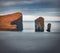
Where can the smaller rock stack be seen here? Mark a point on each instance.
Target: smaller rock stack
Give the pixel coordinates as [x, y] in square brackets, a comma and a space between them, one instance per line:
[39, 24]
[49, 27]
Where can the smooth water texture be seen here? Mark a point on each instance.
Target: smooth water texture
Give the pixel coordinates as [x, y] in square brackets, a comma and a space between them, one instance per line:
[29, 26]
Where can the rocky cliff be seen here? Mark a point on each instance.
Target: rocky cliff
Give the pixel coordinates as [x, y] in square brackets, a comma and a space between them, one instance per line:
[39, 24]
[5, 21]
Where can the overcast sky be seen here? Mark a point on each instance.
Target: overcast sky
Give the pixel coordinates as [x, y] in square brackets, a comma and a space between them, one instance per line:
[32, 8]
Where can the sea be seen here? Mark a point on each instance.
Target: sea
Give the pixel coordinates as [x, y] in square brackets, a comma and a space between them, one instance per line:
[34, 42]
[29, 26]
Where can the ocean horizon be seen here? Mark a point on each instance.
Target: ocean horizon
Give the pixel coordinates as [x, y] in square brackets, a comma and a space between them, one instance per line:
[29, 26]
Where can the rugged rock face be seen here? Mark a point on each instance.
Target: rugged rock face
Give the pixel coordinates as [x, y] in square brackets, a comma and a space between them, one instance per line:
[6, 21]
[39, 24]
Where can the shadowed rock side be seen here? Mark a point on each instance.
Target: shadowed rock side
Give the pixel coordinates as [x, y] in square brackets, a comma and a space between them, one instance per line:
[6, 20]
[39, 24]
[19, 24]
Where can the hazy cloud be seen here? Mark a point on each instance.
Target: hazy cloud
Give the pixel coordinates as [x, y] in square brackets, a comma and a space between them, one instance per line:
[14, 2]
[30, 7]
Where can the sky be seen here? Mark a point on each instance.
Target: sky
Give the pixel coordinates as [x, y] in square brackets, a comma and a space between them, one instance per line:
[32, 9]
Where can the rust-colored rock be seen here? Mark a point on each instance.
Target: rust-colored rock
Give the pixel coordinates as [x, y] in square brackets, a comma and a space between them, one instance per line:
[6, 20]
[39, 24]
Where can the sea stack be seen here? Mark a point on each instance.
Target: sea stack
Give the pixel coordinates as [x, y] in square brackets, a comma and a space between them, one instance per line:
[49, 27]
[39, 24]
[11, 22]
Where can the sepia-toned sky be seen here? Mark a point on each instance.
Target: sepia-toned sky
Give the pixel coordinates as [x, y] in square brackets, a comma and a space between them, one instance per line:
[32, 9]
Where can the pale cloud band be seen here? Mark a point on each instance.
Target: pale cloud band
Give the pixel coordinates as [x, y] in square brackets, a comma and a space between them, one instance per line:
[47, 18]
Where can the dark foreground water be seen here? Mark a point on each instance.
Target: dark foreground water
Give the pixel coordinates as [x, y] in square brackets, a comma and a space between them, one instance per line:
[37, 42]
[29, 26]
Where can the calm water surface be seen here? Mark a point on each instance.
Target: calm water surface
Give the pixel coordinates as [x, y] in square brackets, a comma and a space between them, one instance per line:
[29, 26]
